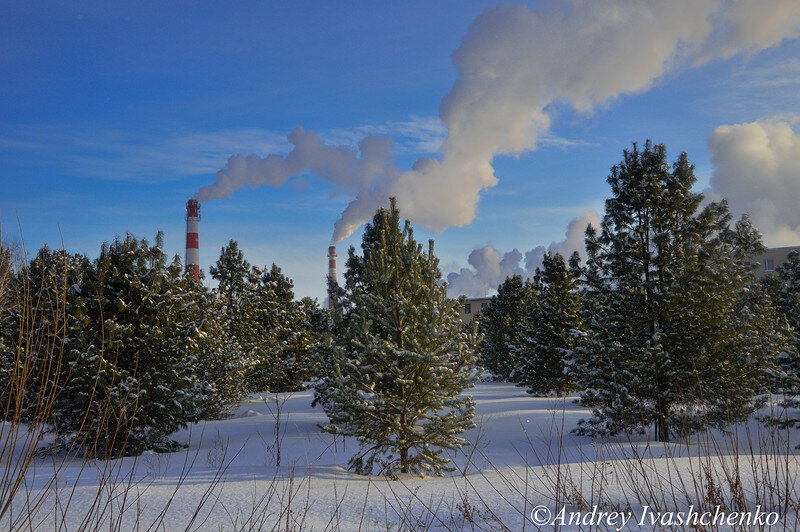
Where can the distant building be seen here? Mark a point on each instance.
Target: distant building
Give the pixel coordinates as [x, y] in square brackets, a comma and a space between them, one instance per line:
[473, 306]
[771, 259]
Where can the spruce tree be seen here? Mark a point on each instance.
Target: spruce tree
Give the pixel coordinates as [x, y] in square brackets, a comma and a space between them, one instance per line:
[501, 326]
[401, 357]
[548, 340]
[670, 339]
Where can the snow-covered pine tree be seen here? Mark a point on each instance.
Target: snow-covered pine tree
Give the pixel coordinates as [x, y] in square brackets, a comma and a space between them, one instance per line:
[284, 357]
[788, 300]
[9, 334]
[272, 329]
[401, 357]
[222, 364]
[224, 369]
[41, 327]
[237, 281]
[668, 334]
[139, 379]
[785, 290]
[317, 331]
[234, 275]
[8, 263]
[545, 351]
[501, 326]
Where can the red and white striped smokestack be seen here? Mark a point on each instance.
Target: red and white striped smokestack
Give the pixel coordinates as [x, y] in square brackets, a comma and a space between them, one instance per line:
[331, 270]
[192, 240]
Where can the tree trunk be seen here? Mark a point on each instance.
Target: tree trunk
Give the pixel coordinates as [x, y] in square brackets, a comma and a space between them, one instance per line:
[404, 466]
[662, 429]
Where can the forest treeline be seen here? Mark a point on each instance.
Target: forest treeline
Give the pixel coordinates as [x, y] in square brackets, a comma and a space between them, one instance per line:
[663, 326]
[125, 349]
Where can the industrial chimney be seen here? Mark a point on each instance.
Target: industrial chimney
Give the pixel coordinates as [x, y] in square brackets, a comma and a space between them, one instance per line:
[331, 271]
[192, 241]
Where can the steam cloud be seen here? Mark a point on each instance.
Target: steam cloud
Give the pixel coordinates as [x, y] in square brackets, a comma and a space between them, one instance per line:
[513, 63]
[756, 166]
[490, 269]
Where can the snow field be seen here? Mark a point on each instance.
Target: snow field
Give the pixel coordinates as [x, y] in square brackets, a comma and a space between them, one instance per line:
[523, 455]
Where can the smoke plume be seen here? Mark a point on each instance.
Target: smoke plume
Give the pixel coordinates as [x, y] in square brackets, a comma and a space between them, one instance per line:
[490, 269]
[756, 167]
[512, 64]
[339, 165]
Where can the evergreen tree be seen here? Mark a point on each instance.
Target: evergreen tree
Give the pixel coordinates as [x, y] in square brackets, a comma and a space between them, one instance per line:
[222, 362]
[272, 329]
[9, 332]
[41, 328]
[784, 287]
[237, 281]
[401, 357]
[788, 283]
[8, 259]
[140, 377]
[670, 337]
[283, 357]
[316, 328]
[234, 275]
[501, 326]
[545, 350]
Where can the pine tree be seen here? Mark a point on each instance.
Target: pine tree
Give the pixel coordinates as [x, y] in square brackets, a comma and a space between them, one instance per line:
[8, 259]
[41, 326]
[784, 287]
[545, 350]
[669, 337]
[272, 329]
[401, 357]
[234, 275]
[316, 322]
[222, 364]
[140, 378]
[284, 357]
[501, 326]
[788, 300]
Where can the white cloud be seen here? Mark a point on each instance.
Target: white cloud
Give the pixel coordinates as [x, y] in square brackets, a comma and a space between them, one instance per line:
[513, 64]
[489, 268]
[757, 168]
[747, 26]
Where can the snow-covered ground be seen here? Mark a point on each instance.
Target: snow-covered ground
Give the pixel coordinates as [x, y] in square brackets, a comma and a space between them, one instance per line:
[523, 455]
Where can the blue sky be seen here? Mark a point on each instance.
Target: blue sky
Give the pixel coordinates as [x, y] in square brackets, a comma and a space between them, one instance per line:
[113, 115]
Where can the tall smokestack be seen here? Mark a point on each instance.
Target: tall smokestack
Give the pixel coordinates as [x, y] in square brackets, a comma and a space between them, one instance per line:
[331, 271]
[192, 240]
